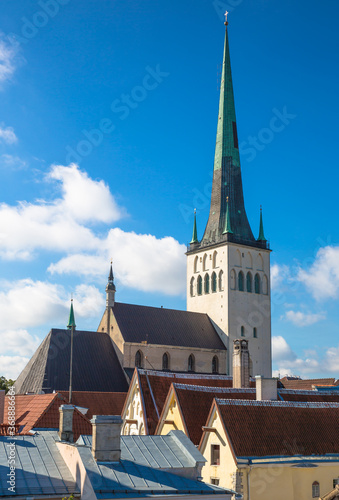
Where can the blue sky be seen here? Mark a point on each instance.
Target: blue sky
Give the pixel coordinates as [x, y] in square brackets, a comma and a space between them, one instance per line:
[129, 91]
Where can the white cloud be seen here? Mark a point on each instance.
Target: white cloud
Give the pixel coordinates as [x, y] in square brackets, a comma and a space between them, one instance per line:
[18, 342]
[281, 350]
[7, 134]
[288, 363]
[11, 366]
[278, 275]
[300, 318]
[7, 57]
[12, 162]
[322, 278]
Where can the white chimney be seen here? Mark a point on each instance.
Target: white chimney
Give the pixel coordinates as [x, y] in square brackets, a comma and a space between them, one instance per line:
[266, 388]
[66, 423]
[106, 430]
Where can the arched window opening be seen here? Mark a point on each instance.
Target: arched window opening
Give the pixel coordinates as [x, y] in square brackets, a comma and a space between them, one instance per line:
[249, 261]
[214, 260]
[260, 263]
[196, 262]
[207, 283]
[165, 361]
[249, 282]
[255, 333]
[214, 282]
[204, 263]
[199, 285]
[241, 281]
[315, 490]
[238, 258]
[192, 287]
[233, 277]
[242, 330]
[215, 365]
[257, 283]
[191, 363]
[138, 359]
[221, 281]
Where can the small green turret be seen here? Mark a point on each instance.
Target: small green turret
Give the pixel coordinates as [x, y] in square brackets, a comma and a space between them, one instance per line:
[261, 236]
[195, 232]
[227, 227]
[71, 320]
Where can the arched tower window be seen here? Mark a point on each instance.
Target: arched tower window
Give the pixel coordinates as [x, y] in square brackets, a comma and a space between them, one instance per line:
[199, 285]
[214, 260]
[215, 364]
[138, 359]
[196, 262]
[221, 281]
[214, 282]
[192, 287]
[241, 281]
[207, 283]
[204, 263]
[249, 282]
[257, 283]
[165, 361]
[191, 363]
[242, 331]
[265, 285]
[315, 490]
[233, 279]
[255, 333]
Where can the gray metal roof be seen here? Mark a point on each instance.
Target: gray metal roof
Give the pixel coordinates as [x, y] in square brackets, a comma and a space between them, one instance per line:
[147, 467]
[95, 365]
[39, 467]
[166, 326]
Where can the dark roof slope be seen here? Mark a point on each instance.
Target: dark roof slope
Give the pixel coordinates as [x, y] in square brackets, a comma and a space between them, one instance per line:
[95, 365]
[281, 428]
[166, 327]
[98, 403]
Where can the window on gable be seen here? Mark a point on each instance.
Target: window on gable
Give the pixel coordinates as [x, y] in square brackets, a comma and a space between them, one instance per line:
[165, 361]
[191, 363]
[215, 454]
[315, 490]
[215, 481]
[138, 359]
[215, 364]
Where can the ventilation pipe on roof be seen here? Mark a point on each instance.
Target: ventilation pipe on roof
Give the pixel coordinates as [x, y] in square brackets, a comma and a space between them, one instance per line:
[241, 364]
[266, 388]
[2, 406]
[66, 423]
[106, 431]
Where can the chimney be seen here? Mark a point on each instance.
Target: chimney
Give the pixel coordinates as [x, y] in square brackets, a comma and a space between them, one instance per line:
[106, 438]
[66, 423]
[266, 388]
[2, 406]
[241, 364]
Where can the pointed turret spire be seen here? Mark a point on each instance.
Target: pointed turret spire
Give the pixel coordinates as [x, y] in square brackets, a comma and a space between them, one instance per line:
[71, 320]
[227, 228]
[195, 232]
[227, 182]
[261, 236]
[110, 288]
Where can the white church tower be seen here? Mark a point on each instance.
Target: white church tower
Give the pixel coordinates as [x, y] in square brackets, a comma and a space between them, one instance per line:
[228, 270]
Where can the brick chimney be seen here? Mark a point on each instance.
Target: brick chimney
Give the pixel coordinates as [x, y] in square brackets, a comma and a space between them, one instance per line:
[66, 423]
[2, 406]
[241, 364]
[106, 438]
[266, 388]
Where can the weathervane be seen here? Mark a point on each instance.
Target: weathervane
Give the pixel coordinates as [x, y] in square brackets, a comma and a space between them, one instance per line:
[226, 14]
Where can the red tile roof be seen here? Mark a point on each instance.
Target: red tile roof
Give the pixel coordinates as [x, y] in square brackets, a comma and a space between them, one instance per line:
[42, 411]
[262, 428]
[154, 387]
[298, 383]
[98, 403]
[195, 403]
[309, 396]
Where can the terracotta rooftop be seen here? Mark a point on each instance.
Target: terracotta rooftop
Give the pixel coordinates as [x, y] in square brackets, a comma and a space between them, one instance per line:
[298, 383]
[41, 411]
[195, 415]
[154, 386]
[98, 403]
[281, 428]
[309, 396]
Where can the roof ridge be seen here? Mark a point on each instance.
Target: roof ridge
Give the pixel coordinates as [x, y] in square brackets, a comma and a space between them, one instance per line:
[207, 376]
[204, 388]
[286, 404]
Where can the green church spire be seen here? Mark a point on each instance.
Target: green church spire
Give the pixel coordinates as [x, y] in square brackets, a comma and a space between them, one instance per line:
[195, 232]
[227, 229]
[71, 320]
[261, 228]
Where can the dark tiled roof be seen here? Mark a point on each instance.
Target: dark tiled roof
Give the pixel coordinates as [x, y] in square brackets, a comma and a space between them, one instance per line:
[195, 404]
[95, 365]
[262, 428]
[98, 403]
[298, 383]
[309, 396]
[41, 411]
[155, 385]
[166, 327]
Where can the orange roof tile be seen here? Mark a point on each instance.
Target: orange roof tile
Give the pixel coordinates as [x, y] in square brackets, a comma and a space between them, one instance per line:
[298, 383]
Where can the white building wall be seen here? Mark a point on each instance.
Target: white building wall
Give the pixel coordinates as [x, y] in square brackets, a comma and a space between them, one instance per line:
[230, 308]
